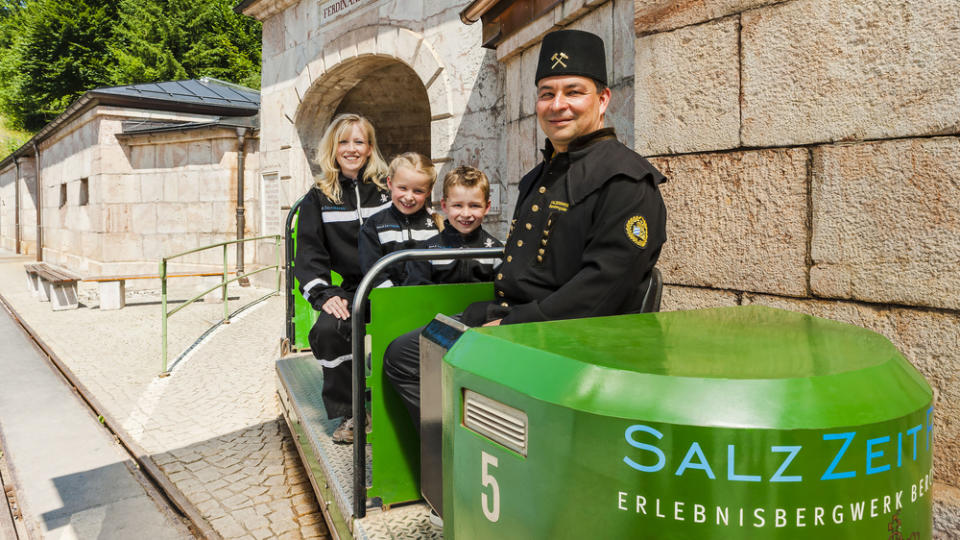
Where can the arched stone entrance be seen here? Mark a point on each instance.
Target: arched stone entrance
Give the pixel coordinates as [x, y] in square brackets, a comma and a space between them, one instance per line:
[402, 89]
[394, 99]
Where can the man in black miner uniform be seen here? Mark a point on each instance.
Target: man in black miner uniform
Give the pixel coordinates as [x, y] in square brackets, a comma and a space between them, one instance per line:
[589, 222]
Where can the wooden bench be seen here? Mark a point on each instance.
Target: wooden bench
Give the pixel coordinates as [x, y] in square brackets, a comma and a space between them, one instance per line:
[113, 289]
[52, 284]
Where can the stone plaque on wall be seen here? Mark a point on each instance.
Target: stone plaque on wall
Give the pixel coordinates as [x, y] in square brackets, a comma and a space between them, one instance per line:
[334, 9]
[271, 203]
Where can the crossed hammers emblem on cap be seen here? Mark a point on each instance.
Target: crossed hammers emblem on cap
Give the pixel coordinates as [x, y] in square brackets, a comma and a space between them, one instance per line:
[558, 59]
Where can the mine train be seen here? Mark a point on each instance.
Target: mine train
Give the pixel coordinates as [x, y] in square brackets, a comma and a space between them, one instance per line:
[738, 422]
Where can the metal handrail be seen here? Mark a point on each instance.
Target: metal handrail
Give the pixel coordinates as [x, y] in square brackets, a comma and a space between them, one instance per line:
[222, 285]
[358, 335]
[290, 253]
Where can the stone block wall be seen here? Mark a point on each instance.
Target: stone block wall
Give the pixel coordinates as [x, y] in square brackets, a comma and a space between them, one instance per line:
[179, 193]
[814, 163]
[28, 209]
[149, 195]
[518, 54]
[8, 207]
[67, 159]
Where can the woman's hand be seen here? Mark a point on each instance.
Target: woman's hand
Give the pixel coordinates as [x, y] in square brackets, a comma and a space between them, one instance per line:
[337, 306]
[493, 323]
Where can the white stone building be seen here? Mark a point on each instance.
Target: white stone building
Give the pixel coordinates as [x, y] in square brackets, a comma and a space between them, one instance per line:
[134, 173]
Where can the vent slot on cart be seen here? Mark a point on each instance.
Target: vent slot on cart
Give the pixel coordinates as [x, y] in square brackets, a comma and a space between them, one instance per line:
[501, 423]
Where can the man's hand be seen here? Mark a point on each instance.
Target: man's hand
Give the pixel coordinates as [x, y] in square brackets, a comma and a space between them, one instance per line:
[337, 306]
[493, 323]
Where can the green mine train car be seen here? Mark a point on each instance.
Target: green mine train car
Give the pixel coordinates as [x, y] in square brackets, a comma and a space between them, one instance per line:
[740, 422]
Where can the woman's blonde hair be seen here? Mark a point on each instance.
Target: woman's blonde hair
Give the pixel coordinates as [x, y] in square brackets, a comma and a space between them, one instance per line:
[423, 165]
[329, 179]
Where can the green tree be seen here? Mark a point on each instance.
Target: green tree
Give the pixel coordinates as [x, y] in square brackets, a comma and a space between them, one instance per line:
[162, 40]
[54, 51]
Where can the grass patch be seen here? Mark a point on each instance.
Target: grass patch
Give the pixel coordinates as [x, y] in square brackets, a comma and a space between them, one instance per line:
[11, 139]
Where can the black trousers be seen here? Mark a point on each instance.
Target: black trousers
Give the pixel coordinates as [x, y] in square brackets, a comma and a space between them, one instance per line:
[401, 365]
[401, 361]
[330, 343]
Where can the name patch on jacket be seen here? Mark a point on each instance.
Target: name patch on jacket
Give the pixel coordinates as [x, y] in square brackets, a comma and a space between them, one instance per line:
[636, 229]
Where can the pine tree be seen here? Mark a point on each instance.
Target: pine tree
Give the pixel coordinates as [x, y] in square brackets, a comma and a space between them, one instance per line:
[53, 54]
[181, 39]
[52, 51]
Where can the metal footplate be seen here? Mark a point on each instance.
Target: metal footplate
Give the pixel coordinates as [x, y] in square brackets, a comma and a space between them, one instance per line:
[330, 466]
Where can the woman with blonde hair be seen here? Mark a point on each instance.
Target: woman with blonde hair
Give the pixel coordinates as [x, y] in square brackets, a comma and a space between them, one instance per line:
[349, 189]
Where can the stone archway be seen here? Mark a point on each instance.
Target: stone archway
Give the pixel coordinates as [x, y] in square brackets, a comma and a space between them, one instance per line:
[389, 74]
[395, 101]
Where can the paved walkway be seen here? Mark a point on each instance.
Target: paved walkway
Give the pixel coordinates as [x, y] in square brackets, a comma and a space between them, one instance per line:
[212, 428]
[76, 481]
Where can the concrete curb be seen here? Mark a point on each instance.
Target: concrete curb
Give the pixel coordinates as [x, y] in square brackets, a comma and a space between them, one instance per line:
[142, 458]
[8, 526]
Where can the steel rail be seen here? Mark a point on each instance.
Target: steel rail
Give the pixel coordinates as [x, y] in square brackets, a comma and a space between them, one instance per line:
[358, 334]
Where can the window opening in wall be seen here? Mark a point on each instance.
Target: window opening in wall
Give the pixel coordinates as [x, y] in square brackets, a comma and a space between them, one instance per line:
[63, 195]
[84, 191]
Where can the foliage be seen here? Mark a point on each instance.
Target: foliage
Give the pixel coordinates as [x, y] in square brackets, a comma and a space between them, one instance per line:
[162, 40]
[52, 51]
[11, 139]
[53, 55]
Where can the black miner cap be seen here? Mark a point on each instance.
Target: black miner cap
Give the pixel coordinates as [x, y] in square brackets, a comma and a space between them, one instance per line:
[572, 52]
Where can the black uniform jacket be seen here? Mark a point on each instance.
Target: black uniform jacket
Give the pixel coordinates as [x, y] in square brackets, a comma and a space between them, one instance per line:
[588, 228]
[391, 230]
[327, 238]
[454, 271]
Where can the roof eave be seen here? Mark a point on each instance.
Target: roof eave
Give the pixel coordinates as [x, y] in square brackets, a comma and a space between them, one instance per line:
[474, 11]
[142, 102]
[81, 105]
[262, 9]
[188, 127]
[93, 98]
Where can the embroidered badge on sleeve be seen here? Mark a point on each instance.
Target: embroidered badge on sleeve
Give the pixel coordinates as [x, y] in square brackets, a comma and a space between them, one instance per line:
[636, 229]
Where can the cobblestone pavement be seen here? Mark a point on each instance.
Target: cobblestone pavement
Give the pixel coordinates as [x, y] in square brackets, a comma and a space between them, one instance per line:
[213, 426]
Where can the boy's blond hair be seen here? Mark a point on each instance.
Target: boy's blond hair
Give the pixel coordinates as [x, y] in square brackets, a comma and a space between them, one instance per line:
[468, 177]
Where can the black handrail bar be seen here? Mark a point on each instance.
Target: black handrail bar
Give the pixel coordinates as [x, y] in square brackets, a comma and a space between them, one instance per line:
[288, 326]
[358, 334]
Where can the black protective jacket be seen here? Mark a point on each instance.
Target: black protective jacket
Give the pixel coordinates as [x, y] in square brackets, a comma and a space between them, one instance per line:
[327, 238]
[455, 271]
[391, 230]
[587, 230]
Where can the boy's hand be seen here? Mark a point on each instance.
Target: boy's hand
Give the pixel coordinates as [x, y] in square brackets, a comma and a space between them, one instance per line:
[493, 323]
[337, 306]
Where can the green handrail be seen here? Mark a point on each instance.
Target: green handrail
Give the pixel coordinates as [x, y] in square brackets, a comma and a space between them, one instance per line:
[222, 285]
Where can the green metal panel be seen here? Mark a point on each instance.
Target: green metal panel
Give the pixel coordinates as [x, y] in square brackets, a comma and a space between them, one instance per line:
[303, 313]
[744, 422]
[396, 447]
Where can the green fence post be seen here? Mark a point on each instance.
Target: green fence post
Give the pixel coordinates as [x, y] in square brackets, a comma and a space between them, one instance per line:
[226, 310]
[163, 303]
[277, 247]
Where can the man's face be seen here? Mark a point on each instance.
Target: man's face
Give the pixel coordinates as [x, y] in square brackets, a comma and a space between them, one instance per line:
[568, 107]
